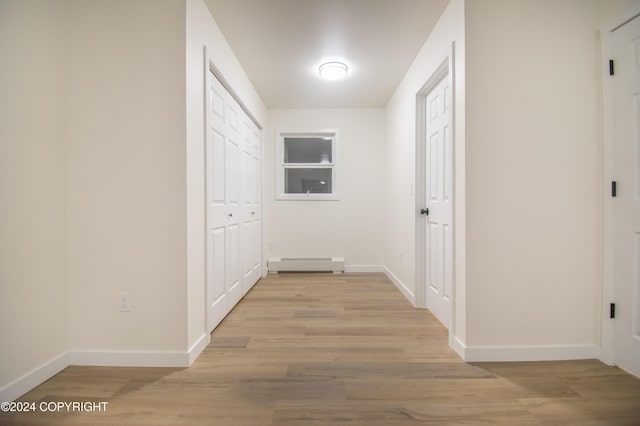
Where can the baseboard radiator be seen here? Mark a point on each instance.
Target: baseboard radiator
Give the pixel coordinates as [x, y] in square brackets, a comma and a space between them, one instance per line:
[305, 264]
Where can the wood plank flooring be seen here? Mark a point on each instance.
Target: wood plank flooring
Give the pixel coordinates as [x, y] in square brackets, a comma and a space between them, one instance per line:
[320, 349]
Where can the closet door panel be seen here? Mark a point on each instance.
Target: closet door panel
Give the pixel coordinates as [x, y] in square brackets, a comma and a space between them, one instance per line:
[233, 216]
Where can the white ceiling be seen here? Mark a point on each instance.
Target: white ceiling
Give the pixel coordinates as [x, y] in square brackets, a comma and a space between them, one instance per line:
[281, 43]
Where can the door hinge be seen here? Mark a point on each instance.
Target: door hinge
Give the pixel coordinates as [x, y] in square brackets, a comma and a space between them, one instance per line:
[612, 310]
[614, 188]
[611, 67]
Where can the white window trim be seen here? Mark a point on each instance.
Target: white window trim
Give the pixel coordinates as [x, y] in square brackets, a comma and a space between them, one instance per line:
[280, 164]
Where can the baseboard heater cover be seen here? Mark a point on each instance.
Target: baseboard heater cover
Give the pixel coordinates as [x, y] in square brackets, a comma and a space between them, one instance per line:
[305, 264]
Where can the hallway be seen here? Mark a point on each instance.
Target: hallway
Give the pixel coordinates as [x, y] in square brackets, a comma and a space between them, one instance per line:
[349, 349]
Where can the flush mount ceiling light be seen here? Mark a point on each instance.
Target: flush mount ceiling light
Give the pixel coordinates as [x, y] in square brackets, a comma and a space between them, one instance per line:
[333, 70]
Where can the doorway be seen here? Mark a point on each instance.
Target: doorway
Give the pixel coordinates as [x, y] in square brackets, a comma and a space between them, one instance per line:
[434, 193]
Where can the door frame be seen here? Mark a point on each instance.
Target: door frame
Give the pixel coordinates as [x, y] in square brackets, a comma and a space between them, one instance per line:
[444, 70]
[608, 265]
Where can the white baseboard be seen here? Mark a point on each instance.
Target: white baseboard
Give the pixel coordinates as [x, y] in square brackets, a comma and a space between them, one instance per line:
[403, 288]
[457, 346]
[141, 358]
[130, 358]
[49, 369]
[196, 349]
[525, 353]
[363, 268]
[34, 378]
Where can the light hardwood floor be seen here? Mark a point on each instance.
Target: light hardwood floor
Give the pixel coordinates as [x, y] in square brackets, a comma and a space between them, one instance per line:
[318, 349]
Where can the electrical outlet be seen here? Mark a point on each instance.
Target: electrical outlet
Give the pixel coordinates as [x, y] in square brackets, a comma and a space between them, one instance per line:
[401, 256]
[124, 302]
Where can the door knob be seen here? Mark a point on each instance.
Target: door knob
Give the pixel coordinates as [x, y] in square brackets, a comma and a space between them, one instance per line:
[424, 211]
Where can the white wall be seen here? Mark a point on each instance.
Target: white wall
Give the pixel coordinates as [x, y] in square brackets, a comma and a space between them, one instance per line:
[534, 174]
[401, 153]
[527, 170]
[353, 226]
[611, 10]
[203, 31]
[97, 182]
[33, 288]
[126, 178]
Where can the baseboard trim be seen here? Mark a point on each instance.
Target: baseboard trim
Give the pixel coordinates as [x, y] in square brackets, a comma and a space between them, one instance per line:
[525, 353]
[130, 358]
[403, 288]
[49, 369]
[196, 349]
[34, 378]
[363, 268]
[457, 346]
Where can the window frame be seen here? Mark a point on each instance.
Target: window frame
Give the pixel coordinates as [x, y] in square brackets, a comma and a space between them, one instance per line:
[281, 166]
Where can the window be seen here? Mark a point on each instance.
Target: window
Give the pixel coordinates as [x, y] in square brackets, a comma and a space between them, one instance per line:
[306, 165]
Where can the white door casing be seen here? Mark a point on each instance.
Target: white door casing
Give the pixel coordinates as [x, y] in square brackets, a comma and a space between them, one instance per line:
[233, 201]
[434, 193]
[626, 204]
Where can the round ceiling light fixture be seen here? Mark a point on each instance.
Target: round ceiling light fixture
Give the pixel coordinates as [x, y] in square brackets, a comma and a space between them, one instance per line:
[333, 70]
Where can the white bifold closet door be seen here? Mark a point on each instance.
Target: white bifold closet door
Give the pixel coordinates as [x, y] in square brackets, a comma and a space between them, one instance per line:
[626, 205]
[233, 210]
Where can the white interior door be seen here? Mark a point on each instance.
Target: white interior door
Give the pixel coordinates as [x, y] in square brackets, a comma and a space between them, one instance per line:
[223, 268]
[626, 205]
[233, 202]
[251, 208]
[233, 178]
[217, 232]
[439, 201]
